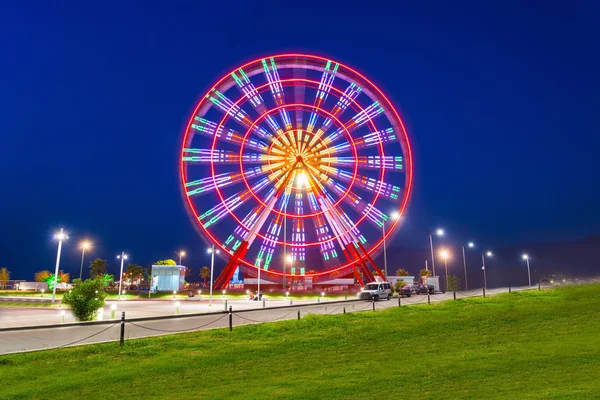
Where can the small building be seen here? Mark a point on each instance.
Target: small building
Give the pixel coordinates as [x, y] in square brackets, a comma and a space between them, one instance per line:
[408, 280]
[167, 278]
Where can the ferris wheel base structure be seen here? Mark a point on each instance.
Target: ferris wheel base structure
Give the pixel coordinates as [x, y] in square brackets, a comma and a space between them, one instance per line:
[359, 267]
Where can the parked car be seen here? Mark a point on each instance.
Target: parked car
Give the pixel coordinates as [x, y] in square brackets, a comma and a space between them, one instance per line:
[425, 289]
[376, 291]
[406, 291]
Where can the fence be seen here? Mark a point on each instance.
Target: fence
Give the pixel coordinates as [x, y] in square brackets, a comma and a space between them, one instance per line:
[58, 336]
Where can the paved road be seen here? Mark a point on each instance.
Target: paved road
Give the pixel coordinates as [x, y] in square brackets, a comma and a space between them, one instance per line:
[26, 316]
[38, 339]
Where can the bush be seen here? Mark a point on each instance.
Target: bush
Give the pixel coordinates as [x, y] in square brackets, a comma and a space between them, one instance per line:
[86, 299]
[399, 285]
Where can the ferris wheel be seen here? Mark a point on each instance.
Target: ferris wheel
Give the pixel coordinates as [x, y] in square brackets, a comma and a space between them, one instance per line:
[294, 164]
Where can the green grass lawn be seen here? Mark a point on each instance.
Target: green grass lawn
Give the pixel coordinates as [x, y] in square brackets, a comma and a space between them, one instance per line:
[525, 345]
[30, 293]
[27, 304]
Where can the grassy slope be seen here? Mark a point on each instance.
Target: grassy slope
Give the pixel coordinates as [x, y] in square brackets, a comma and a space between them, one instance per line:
[520, 345]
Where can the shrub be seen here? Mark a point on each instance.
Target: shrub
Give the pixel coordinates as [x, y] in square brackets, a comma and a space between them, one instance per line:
[86, 299]
[399, 285]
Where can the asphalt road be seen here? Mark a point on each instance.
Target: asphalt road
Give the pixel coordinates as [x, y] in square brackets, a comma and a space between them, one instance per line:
[105, 331]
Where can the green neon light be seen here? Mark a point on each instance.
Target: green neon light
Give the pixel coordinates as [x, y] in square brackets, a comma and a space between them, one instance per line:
[236, 79]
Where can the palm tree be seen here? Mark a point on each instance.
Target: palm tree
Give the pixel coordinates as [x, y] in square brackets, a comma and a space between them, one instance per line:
[204, 274]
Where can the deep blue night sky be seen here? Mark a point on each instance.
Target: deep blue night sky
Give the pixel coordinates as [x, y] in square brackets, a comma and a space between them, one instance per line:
[501, 102]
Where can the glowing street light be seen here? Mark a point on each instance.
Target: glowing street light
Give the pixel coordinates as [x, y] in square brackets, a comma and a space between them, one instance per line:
[84, 246]
[288, 260]
[212, 252]
[181, 254]
[439, 232]
[123, 257]
[526, 258]
[470, 245]
[488, 254]
[60, 236]
[394, 216]
[258, 261]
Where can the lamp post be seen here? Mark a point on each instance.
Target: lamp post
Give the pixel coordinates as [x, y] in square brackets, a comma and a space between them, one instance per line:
[84, 246]
[123, 257]
[290, 259]
[394, 216]
[258, 260]
[212, 252]
[439, 232]
[181, 254]
[526, 258]
[483, 255]
[445, 254]
[60, 236]
[471, 245]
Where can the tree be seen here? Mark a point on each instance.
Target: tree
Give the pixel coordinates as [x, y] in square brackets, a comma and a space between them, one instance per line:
[4, 277]
[98, 268]
[165, 262]
[423, 273]
[64, 276]
[107, 279]
[135, 272]
[401, 272]
[205, 274]
[453, 282]
[41, 276]
[50, 281]
[86, 299]
[188, 272]
[399, 285]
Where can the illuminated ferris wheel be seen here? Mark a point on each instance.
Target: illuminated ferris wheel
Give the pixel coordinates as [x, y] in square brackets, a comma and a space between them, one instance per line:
[293, 164]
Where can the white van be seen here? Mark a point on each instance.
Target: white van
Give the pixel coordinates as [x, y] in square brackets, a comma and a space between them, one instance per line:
[376, 291]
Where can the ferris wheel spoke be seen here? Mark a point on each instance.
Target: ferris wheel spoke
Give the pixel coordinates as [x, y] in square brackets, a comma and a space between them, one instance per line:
[228, 107]
[382, 137]
[354, 201]
[393, 163]
[208, 184]
[249, 90]
[349, 96]
[325, 237]
[371, 185]
[240, 233]
[298, 233]
[207, 128]
[221, 210]
[227, 157]
[272, 75]
[271, 237]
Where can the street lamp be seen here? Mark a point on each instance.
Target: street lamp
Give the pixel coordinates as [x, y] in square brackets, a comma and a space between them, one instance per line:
[123, 257]
[212, 252]
[288, 259]
[470, 245]
[394, 216]
[60, 236]
[445, 254]
[84, 246]
[439, 232]
[258, 261]
[181, 254]
[526, 258]
[488, 254]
